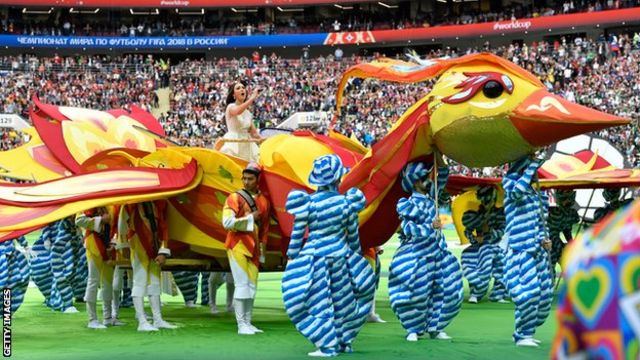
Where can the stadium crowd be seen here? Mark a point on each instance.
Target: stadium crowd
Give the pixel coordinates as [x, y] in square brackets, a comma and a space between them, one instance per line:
[600, 73]
[85, 81]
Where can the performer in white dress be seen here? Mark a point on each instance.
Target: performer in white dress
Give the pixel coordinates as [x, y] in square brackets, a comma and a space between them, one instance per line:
[240, 124]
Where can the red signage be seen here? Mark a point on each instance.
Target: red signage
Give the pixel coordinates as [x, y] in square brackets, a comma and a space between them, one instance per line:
[171, 3]
[513, 26]
[352, 37]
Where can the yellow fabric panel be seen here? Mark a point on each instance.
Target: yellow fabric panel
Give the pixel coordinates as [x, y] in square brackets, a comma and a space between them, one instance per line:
[220, 171]
[54, 213]
[181, 229]
[243, 258]
[567, 166]
[424, 142]
[351, 143]
[167, 158]
[465, 202]
[80, 185]
[461, 204]
[18, 163]
[92, 248]
[138, 249]
[92, 131]
[292, 156]
[596, 178]
[106, 273]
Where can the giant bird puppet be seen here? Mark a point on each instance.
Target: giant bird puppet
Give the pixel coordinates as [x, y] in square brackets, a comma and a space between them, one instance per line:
[482, 111]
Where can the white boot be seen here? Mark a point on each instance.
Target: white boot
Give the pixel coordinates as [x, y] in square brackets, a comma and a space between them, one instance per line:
[412, 337]
[526, 342]
[213, 290]
[93, 317]
[143, 324]
[71, 310]
[442, 336]
[190, 304]
[157, 314]
[95, 324]
[473, 300]
[373, 317]
[240, 308]
[106, 312]
[115, 310]
[248, 315]
[320, 353]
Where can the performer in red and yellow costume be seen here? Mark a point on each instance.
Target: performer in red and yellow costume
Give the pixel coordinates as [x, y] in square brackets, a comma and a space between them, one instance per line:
[246, 217]
[98, 231]
[144, 227]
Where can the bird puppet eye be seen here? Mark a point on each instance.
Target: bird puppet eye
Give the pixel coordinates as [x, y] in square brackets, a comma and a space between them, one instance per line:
[493, 84]
[492, 89]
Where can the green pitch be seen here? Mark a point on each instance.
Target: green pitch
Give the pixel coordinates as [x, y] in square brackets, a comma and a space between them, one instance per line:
[480, 331]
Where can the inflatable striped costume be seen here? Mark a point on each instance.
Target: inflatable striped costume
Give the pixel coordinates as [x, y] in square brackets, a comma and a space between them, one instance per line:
[41, 272]
[59, 268]
[14, 270]
[187, 282]
[68, 264]
[328, 285]
[484, 258]
[562, 217]
[613, 201]
[528, 272]
[425, 278]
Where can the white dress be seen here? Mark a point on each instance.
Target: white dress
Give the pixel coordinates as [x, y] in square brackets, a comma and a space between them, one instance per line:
[238, 128]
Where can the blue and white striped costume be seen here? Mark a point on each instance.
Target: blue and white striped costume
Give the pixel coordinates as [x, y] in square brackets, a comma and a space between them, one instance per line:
[67, 260]
[60, 268]
[126, 300]
[80, 262]
[528, 274]
[204, 288]
[187, 282]
[41, 272]
[327, 285]
[561, 219]
[484, 260]
[425, 278]
[14, 271]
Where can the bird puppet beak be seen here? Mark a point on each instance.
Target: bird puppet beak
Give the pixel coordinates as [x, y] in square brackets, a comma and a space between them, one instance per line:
[543, 119]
